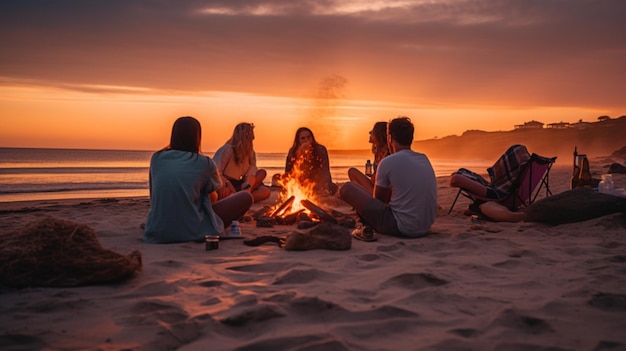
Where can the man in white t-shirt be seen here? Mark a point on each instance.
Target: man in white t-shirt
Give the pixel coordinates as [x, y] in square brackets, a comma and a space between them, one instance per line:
[404, 202]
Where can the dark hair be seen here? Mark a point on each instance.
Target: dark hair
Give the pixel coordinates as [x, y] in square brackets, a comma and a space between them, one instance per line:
[401, 130]
[186, 135]
[316, 152]
[380, 147]
[296, 141]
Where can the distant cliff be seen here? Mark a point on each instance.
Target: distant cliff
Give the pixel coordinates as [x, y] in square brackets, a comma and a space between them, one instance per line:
[597, 139]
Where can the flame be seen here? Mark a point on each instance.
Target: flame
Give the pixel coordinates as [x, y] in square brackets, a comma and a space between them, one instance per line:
[295, 184]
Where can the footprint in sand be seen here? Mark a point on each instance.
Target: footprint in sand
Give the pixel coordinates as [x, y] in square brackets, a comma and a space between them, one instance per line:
[368, 257]
[609, 302]
[415, 281]
[514, 320]
[299, 276]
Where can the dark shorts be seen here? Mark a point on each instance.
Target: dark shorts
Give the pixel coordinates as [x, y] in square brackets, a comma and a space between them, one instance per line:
[380, 217]
[237, 183]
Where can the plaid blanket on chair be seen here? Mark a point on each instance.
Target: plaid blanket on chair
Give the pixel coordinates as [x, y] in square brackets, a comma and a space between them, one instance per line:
[505, 172]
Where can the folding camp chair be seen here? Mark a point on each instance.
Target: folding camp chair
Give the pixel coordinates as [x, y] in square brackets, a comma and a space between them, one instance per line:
[517, 178]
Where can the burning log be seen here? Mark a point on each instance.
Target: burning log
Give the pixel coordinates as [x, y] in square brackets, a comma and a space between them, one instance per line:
[323, 215]
[292, 217]
[304, 217]
[283, 206]
[306, 224]
[265, 222]
[261, 213]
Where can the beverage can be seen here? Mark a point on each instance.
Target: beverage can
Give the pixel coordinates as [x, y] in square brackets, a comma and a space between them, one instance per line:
[212, 242]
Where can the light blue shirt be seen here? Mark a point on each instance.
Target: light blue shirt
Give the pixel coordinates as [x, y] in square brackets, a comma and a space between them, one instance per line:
[180, 207]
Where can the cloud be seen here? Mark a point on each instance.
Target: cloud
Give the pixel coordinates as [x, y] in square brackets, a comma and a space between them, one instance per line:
[465, 51]
[315, 8]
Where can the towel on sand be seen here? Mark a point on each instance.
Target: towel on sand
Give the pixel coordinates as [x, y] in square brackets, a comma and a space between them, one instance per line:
[574, 206]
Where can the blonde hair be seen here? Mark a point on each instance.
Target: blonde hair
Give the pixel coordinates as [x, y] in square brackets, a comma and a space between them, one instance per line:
[241, 142]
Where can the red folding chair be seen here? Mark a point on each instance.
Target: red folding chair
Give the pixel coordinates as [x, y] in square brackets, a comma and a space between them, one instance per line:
[517, 178]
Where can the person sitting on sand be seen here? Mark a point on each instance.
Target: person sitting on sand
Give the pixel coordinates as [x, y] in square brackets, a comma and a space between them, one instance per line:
[404, 201]
[497, 212]
[380, 149]
[491, 209]
[307, 161]
[181, 179]
[236, 162]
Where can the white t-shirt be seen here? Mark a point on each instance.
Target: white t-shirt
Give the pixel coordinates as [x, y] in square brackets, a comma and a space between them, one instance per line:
[225, 159]
[411, 179]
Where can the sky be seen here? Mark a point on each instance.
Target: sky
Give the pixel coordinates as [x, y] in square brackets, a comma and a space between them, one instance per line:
[115, 74]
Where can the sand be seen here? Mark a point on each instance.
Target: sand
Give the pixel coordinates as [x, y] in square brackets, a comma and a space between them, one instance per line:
[491, 286]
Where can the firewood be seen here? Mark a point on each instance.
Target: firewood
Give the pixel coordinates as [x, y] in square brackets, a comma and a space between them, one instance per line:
[261, 212]
[265, 222]
[323, 215]
[292, 217]
[283, 206]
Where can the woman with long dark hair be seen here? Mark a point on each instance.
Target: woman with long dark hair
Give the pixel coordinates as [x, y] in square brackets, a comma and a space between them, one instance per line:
[181, 181]
[307, 161]
[380, 149]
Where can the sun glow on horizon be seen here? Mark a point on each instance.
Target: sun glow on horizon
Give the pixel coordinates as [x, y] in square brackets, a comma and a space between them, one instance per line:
[117, 75]
[120, 117]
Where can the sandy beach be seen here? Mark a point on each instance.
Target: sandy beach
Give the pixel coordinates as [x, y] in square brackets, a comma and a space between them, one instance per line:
[492, 286]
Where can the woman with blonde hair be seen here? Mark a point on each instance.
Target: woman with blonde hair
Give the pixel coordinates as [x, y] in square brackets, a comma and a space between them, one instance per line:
[380, 149]
[236, 162]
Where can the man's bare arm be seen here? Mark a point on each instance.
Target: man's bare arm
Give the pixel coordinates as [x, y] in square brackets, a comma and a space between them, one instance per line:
[382, 194]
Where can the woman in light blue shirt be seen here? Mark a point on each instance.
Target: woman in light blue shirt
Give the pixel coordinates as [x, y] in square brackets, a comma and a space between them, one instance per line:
[181, 181]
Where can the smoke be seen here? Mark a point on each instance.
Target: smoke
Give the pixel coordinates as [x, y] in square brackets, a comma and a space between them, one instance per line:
[322, 119]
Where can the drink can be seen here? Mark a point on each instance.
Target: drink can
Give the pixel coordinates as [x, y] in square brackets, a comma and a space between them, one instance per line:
[212, 242]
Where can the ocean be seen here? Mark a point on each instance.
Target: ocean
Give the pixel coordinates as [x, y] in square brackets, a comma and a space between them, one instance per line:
[28, 174]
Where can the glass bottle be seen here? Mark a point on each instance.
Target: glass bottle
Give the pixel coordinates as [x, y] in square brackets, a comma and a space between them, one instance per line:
[606, 184]
[576, 174]
[368, 168]
[584, 180]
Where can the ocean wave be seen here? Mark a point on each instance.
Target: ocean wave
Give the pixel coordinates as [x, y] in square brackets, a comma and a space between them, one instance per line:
[59, 173]
[63, 187]
[71, 170]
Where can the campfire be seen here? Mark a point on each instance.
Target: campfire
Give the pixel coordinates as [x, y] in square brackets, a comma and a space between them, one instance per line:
[296, 202]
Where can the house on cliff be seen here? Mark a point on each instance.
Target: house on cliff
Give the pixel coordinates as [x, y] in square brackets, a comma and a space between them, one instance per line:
[530, 125]
[581, 125]
[558, 125]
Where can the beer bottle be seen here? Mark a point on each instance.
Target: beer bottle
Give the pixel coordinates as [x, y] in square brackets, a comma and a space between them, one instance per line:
[584, 180]
[576, 174]
[368, 168]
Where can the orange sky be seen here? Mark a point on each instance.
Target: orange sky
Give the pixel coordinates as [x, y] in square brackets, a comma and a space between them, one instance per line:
[116, 74]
